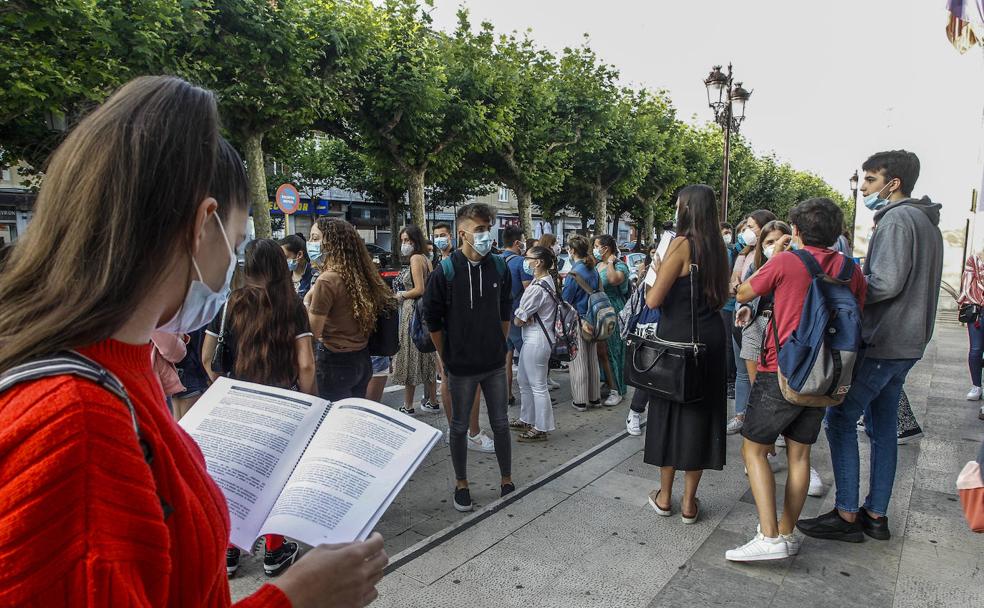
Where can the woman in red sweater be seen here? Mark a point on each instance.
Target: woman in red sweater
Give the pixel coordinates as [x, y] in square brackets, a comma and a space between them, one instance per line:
[137, 221]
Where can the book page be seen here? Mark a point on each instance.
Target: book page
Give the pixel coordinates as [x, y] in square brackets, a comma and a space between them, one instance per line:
[252, 437]
[352, 471]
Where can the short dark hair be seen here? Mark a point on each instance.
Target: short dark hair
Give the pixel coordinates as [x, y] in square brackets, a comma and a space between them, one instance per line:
[819, 221]
[416, 237]
[897, 164]
[510, 235]
[295, 244]
[443, 226]
[727, 226]
[475, 210]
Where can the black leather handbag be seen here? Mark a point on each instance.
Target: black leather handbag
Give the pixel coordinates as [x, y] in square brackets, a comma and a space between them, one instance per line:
[669, 370]
[220, 356]
[968, 313]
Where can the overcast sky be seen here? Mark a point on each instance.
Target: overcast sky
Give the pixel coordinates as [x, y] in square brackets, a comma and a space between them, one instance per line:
[833, 81]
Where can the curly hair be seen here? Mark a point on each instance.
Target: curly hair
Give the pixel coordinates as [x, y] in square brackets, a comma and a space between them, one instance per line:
[345, 252]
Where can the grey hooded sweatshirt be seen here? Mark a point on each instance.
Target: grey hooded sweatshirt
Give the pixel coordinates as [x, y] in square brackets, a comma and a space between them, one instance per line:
[904, 267]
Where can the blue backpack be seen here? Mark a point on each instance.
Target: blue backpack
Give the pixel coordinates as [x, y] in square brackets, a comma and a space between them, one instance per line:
[816, 364]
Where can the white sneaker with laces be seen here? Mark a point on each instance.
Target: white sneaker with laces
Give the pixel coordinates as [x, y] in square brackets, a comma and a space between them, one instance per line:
[632, 424]
[816, 486]
[613, 399]
[758, 549]
[734, 426]
[974, 394]
[793, 543]
[481, 443]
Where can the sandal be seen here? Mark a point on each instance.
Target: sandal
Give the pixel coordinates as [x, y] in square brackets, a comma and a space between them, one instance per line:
[518, 425]
[691, 520]
[659, 510]
[409, 411]
[532, 436]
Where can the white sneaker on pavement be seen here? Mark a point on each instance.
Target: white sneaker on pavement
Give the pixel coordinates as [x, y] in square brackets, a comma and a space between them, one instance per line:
[481, 443]
[632, 424]
[734, 426]
[793, 543]
[816, 486]
[974, 394]
[758, 549]
[613, 399]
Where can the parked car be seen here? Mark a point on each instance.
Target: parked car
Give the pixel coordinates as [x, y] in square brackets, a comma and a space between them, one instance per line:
[632, 260]
[382, 257]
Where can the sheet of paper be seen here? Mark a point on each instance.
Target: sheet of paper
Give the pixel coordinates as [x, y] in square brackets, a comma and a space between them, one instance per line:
[252, 437]
[352, 470]
[650, 277]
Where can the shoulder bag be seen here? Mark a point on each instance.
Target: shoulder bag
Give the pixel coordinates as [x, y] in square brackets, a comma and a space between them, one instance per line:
[219, 356]
[669, 370]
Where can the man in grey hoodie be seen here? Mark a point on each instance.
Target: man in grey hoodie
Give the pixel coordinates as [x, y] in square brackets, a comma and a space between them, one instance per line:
[903, 267]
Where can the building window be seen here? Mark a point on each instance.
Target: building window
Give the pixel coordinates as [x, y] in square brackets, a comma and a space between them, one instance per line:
[5, 174]
[503, 195]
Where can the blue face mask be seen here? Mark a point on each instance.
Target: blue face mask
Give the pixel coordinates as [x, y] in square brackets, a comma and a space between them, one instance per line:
[597, 254]
[875, 201]
[292, 264]
[526, 267]
[314, 250]
[442, 242]
[482, 243]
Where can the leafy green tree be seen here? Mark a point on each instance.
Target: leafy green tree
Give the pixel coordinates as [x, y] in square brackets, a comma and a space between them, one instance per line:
[310, 163]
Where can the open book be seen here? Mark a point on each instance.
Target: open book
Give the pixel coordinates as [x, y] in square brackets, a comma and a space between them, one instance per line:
[296, 465]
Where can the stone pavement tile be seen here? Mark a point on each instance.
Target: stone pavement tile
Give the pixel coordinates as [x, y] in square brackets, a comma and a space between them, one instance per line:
[936, 481]
[394, 589]
[619, 486]
[943, 454]
[743, 518]
[877, 560]
[437, 562]
[508, 570]
[829, 583]
[938, 570]
[936, 520]
[700, 584]
[712, 554]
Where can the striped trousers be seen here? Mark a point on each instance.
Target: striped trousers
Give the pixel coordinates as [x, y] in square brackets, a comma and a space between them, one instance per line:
[585, 375]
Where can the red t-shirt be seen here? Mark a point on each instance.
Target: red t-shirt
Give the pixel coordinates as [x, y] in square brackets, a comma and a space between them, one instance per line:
[786, 276]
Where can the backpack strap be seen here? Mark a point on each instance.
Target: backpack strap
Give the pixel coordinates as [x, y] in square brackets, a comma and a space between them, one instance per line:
[810, 262]
[847, 270]
[71, 363]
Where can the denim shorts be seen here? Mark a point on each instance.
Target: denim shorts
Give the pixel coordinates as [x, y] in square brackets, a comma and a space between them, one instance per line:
[380, 366]
[769, 415]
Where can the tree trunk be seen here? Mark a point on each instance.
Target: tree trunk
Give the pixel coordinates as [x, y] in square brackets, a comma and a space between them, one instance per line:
[601, 209]
[256, 172]
[396, 218]
[525, 202]
[415, 188]
[648, 219]
[584, 224]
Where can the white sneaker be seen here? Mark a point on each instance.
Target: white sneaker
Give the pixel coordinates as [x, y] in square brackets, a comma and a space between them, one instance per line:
[861, 424]
[632, 424]
[816, 487]
[758, 549]
[481, 443]
[793, 543]
[775, 463]
[613, 399]
[552, 384]
[974, 394]
[734, 426]
[780, 441]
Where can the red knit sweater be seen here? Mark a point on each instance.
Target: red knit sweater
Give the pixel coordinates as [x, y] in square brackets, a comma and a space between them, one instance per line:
[80, 518]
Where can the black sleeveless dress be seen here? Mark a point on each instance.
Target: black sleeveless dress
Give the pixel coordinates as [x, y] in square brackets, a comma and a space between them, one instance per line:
[691, 437]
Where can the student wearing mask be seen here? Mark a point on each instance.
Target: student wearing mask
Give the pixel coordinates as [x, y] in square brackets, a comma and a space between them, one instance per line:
[728, 312]
[346, 300]
[412, 367]
[972, 293]
[585, 374]
[478, 440]
[512, 253]
[298, 263]
[468, 308]
[535, 315]
[183, 202]
[614, 275]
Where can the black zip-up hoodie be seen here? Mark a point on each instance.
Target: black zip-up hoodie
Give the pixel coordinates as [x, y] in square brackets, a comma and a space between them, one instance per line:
[480, 302]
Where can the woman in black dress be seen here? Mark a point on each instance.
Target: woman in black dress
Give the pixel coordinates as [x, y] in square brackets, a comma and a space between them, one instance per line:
[691, 437]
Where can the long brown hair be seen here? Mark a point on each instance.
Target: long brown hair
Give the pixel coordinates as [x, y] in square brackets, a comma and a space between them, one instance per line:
[346, 253]
[783, 227]
[698, 221]
[263, 316]
[582, 247]
[118, 203]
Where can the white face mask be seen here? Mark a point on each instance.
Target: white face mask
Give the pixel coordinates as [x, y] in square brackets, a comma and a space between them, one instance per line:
[748, 235]
[406, 249]
[727, 239]
[768, 251]
[556, 249]
[201, 304]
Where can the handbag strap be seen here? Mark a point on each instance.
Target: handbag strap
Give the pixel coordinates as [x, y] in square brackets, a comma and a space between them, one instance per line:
[694, 326]
[221, 337]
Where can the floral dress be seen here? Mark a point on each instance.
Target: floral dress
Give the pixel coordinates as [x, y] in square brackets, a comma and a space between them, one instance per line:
[619, 295]
[411, 367]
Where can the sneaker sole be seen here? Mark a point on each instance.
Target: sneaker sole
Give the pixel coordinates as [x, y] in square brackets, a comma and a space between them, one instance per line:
[815, 493]
[231, 572]
[757, 558]
[857, 537]
[279, 568]
[579, 409]
[878, 536]
[462, 509]
[633, 432]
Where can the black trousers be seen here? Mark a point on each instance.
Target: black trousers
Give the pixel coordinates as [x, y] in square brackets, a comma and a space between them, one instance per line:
[342, 375]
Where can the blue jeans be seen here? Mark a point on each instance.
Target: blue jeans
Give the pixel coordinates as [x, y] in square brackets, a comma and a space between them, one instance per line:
[976, 351]
[743, 387]
[875, 393]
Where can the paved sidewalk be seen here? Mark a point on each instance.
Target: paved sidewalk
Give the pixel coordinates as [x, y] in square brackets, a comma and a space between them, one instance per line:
[588, 538]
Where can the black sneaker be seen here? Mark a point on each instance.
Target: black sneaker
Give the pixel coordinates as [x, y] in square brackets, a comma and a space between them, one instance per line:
[275, 562]
[831, 526]
[594, 404]
[232, 561]
[507, 489]
[910, 435]
[580, 407]
[512, 400]
[462, 500]
[875, 528]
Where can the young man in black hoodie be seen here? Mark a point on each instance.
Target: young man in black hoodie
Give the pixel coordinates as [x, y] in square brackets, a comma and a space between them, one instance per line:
[468, 309]
[903, 267]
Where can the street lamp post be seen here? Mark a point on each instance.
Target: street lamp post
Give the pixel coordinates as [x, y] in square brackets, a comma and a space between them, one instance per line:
[854, 197]
[727, 98]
